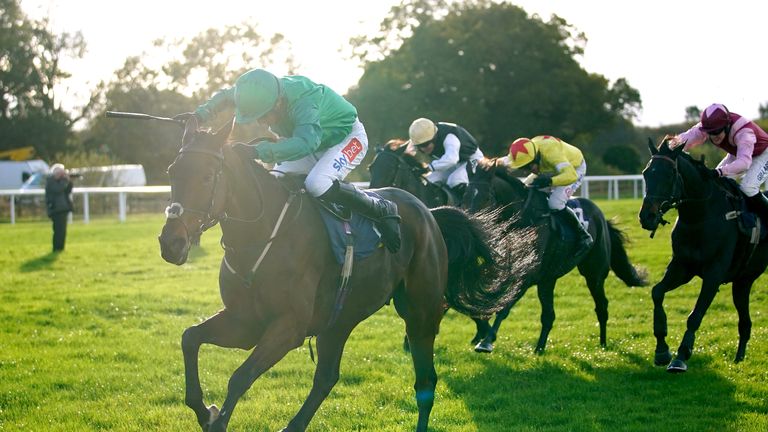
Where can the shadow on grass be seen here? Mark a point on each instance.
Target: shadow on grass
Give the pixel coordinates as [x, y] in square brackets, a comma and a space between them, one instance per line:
[631, 396]
[39, 263]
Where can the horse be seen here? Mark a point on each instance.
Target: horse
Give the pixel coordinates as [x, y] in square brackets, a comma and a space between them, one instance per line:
[392, 166]
[280, 282]
[527, 207]
[706, 242]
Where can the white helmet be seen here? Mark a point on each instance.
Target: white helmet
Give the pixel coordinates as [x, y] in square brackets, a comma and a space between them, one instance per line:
[422, 131]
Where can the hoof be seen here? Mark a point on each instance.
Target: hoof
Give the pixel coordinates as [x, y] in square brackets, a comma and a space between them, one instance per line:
[739, 358]
[677, 366]
[484, 347]
[662, 358]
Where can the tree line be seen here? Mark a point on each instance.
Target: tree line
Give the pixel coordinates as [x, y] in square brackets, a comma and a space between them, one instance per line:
[488, 66]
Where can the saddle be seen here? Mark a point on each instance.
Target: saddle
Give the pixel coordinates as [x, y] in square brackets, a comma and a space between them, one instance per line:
[748, 221]
[346, 230]
[563, 229]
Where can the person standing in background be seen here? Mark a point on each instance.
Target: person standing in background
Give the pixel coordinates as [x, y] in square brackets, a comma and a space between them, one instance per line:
[58, 201]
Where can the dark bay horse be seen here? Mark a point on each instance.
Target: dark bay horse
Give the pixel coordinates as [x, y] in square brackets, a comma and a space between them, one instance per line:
[279, 280]
[396, 168]
[528, 207]
[706, 242]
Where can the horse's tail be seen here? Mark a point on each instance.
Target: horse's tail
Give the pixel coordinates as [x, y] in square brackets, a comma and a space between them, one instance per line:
[631, 275]
[477, 282]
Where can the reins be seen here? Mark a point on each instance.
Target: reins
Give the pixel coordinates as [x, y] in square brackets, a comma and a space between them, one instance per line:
[292, 194]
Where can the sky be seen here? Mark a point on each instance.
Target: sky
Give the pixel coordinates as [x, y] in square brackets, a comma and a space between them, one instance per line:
[676, 53]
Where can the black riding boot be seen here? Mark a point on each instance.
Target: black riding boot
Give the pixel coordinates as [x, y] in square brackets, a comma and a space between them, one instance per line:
[585, 239]
[759, 203]
[382, 212]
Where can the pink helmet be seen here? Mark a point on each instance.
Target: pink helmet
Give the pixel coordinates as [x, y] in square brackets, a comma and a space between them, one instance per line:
[715, 118]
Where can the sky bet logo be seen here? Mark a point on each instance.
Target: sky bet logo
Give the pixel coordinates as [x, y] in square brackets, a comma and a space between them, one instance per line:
[349, 152]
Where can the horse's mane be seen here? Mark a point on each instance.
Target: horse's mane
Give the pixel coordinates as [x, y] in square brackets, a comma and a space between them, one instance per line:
[507, 176]
[701, 167]
[697, 163]
[410, 159]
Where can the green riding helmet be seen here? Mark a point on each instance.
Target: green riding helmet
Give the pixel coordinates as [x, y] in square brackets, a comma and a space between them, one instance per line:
[256, 93]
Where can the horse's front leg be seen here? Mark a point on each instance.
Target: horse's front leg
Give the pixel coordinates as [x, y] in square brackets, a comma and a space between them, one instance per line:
[483, 327]
[709, 287]
[740, 291]
[674, 276]
[282, 335]
[546, 293]
[222, 330]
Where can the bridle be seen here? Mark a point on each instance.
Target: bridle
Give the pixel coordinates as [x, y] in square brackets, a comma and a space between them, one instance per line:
[206, 219]
[676, 196]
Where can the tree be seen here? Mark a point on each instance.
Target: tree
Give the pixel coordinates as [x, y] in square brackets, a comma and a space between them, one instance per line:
[30, 58]
[692, 114]
[487, 66]
[763, 111]
[207, 62]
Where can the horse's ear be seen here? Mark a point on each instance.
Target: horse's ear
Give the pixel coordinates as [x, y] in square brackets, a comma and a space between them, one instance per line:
[652, 147]
[679, 149]
[190, 129]
[223, 133]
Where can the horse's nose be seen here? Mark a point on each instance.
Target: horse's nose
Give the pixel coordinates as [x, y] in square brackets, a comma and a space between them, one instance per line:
[173, 250]
[647, 217]
[173, 245]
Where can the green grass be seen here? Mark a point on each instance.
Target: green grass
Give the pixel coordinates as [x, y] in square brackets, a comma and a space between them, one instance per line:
[90, 340]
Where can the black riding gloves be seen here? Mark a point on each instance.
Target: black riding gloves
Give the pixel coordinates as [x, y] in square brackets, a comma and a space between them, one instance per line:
[715, 173]
[542, 181]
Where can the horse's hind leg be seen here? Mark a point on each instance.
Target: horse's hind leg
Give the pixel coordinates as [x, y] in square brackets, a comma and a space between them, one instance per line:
[740, 291]
[222, 330]
[486, 344]
[425, 311]
[596, 284]
[421, 334]
[330, 347]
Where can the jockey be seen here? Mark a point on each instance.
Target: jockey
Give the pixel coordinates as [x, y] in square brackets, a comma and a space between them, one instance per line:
[556, 166]
[450, 146]
[743, 140]
[320, 136]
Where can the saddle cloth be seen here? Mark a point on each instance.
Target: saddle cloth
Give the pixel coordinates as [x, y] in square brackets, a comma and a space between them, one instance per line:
[566, 233]
[345, 228]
